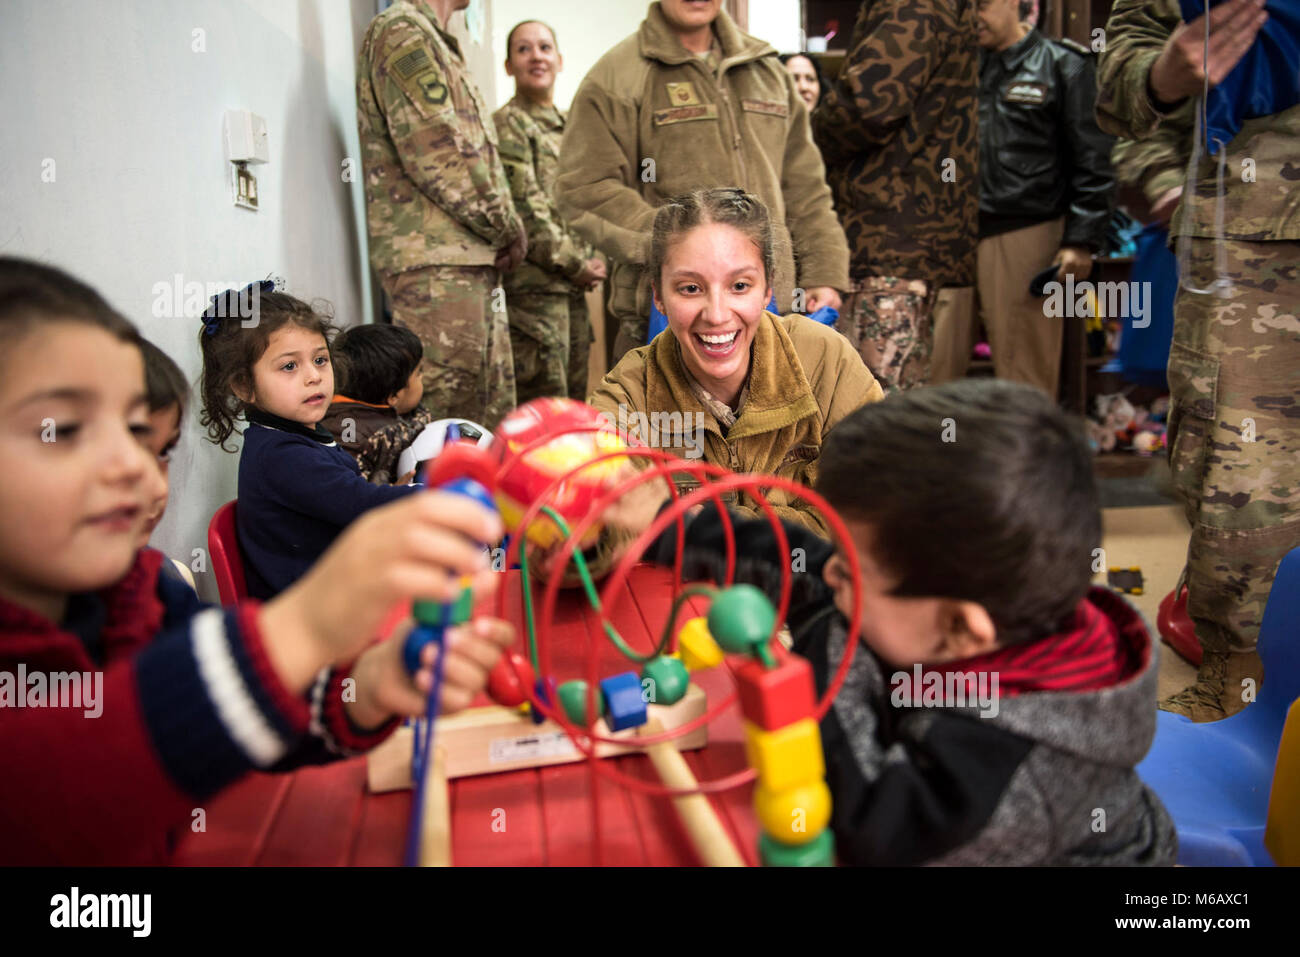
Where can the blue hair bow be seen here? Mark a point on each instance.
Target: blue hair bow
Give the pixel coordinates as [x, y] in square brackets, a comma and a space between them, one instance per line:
[225, 305]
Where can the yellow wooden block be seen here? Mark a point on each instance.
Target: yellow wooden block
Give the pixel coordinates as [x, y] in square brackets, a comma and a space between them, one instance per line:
[794, 816]
[787, 757]
[697, 647]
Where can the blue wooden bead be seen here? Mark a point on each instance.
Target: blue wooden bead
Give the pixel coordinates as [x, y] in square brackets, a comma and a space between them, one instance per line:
[624, 704]
[419, 636]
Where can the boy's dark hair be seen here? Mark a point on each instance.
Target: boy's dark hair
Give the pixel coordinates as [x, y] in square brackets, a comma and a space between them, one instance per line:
[375, 361]
[979, 490]
[32, 293]
[237, 328]
[164, 383]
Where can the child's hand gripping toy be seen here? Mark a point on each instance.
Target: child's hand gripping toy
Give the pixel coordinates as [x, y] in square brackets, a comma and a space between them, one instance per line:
[532, 454]
[432, 620]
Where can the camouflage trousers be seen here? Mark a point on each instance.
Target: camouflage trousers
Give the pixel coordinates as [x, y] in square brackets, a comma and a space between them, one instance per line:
[888, 320]
[550, 334]
[467, 370]
[1234, 434]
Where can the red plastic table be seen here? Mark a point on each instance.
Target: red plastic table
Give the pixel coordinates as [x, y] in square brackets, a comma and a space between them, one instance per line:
[325, 815]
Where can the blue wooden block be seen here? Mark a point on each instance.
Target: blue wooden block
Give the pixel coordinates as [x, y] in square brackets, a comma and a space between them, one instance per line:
[624, 705]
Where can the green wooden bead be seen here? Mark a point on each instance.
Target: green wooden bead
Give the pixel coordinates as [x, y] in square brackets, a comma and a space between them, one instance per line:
[670, 677]
[819, 852]
[573, 699]
[430, 612]
[741, 619]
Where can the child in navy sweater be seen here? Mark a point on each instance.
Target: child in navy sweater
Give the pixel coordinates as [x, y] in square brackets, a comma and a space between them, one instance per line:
[266, 355]
[125, 703]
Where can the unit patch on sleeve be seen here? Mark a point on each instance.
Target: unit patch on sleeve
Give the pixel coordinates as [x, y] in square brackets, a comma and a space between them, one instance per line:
[435, 91]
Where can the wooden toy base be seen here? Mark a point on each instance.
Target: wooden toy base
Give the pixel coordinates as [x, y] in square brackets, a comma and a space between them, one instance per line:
[494, 738]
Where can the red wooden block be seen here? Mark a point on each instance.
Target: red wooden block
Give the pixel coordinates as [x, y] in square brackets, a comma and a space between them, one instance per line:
[773, 698]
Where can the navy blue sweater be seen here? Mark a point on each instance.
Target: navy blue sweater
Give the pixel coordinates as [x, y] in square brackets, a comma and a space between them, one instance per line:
[297, 491]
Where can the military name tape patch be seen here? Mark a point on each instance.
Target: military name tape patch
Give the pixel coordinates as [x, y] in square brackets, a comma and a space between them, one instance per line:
[765, 106]
[683, 113]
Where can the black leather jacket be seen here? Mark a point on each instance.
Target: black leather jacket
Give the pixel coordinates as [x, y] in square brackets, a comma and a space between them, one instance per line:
[1041, 153]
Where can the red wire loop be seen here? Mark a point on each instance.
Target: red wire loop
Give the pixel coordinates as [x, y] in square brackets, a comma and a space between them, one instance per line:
[663, 466]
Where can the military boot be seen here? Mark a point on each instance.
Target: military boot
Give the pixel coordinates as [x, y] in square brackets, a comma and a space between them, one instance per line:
[1221, 688]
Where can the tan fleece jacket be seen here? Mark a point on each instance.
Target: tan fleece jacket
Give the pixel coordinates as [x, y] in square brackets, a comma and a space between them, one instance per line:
[804, 378]
[651, 121]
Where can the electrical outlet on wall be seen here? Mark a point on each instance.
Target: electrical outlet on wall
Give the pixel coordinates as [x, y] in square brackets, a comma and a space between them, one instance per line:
[243, 185]
[246, 142]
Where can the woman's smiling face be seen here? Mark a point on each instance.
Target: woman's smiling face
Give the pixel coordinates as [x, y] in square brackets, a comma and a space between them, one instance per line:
[713, 290]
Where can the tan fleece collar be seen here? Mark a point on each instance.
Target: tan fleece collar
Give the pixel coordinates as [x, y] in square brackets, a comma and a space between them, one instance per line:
[779, 393]
[659, 42]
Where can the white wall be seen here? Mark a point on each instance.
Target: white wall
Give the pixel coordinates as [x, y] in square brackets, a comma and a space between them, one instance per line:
[116, 101]
[114, 93]
[777, 22]
[585, 30]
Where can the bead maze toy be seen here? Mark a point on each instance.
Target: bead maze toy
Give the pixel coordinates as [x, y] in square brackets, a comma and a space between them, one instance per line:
[553, 470]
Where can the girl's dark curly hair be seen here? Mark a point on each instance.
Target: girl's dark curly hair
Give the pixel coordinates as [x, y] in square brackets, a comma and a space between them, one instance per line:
[237, 328]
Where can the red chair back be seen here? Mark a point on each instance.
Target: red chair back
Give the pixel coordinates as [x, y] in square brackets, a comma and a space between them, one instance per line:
[223, 550]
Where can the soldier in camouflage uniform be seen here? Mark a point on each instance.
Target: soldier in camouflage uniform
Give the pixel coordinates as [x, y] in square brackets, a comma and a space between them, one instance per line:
[1234, 367]
[901, 159]
[549, 329]
[441, 222]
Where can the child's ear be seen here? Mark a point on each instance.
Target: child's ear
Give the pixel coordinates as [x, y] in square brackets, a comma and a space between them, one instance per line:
[966, 629]
[242, 389]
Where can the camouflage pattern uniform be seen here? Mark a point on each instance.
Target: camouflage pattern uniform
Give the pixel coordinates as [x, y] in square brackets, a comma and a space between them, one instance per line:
[379, 455]
[902, 162]
[438, 209]
[549, 328]
[1234, 367]
[1158, 163]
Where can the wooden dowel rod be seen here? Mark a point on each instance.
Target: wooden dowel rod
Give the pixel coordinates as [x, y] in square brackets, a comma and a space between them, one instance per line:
[709, 836]
[435, 836]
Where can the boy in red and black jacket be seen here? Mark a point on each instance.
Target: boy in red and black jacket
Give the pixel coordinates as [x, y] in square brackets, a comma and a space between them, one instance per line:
[124, 702]
[997, 706]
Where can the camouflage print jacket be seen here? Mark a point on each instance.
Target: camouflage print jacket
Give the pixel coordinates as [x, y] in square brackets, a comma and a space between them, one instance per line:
[898, 133]
[651, 121]
[436, 193]
[1158, 163]
[528, 137]
[1261, 196]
